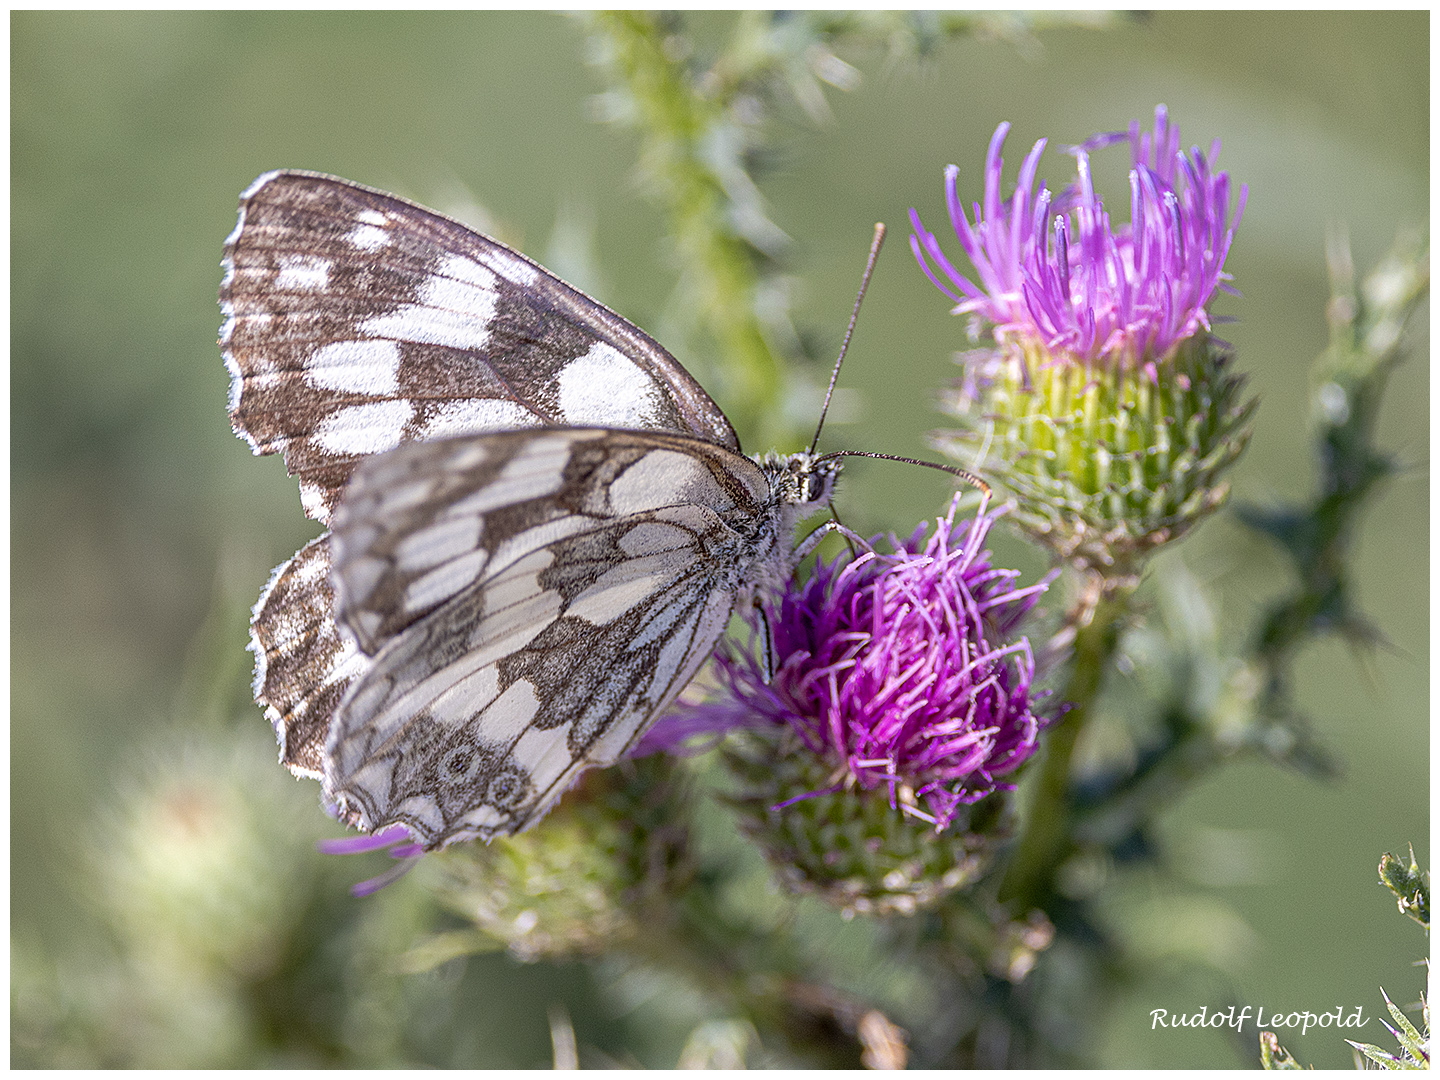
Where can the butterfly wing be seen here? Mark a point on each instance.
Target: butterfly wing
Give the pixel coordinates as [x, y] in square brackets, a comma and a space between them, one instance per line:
[532, 601]
[303, 664]
[355, 321]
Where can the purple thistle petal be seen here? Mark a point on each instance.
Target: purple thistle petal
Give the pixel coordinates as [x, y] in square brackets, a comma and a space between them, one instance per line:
[375, 884]
[1055, 273]
[395, 837]
[689, 730]
[353, 845]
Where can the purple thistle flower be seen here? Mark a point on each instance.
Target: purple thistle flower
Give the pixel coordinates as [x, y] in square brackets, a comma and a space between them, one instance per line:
[1054, 273]
[891, 665]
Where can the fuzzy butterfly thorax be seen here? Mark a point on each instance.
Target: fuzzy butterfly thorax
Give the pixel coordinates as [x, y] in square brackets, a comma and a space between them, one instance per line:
[540, 523]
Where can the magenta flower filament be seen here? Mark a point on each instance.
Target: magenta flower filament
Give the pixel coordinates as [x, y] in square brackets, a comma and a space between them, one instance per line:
[1054, 273]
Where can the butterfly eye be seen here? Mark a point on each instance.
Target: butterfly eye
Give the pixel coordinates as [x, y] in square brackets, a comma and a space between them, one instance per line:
[814, 487]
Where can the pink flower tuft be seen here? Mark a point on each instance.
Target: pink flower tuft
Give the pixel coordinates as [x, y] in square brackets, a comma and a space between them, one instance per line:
[1054, 273]
[892, 665]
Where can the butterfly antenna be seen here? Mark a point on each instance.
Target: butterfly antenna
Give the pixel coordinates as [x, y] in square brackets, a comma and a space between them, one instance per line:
[855, 312]
[963, 474]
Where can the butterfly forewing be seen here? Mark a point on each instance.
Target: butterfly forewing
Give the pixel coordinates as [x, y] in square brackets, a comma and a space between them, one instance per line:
[356, 321]
[533, 600]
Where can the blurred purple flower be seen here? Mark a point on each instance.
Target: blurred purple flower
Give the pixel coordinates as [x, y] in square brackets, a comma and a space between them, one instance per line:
[891, 665]
[1053, 273]
[395, 837]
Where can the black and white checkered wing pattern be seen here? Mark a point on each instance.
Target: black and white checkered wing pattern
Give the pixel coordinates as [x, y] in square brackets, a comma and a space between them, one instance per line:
[303, 664]
[356, 321]
[529, 602]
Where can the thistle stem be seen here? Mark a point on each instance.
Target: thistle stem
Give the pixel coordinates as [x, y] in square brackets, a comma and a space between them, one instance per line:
[679, 127]
[1046, 841]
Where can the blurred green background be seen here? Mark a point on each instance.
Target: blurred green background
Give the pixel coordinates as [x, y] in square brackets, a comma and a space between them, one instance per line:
[144, 795]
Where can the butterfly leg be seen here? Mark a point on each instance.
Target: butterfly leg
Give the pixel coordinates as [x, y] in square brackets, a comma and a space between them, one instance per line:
[811, 542]
[851, 538]
[767, 641]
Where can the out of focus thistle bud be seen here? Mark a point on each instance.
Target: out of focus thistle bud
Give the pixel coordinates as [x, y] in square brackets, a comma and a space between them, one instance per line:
[200, 870]
[897, 709]
[1410, 886]
[595, 874]
[1105, 405]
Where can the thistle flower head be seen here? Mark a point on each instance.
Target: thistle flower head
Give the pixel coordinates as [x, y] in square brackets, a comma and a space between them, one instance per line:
[896, 705]
[1106, 406]
[604, 867]
[1055, 275]
[886, 665]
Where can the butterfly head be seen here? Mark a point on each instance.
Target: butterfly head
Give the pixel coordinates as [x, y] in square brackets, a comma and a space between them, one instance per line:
[801, 481]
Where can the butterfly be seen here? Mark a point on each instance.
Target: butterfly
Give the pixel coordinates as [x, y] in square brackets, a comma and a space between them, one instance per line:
[539, 523]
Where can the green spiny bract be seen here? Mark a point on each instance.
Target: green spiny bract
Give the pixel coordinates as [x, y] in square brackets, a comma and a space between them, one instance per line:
[1106, 463]
[850, 846]
[594, 875]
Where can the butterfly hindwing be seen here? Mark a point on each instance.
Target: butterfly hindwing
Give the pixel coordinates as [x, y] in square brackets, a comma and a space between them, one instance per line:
[303, 664]
[533, 600]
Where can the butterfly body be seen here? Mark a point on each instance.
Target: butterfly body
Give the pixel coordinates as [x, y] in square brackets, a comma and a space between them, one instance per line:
[541, 525]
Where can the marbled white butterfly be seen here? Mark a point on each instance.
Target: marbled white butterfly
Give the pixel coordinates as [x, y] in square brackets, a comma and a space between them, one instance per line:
[540, 524]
